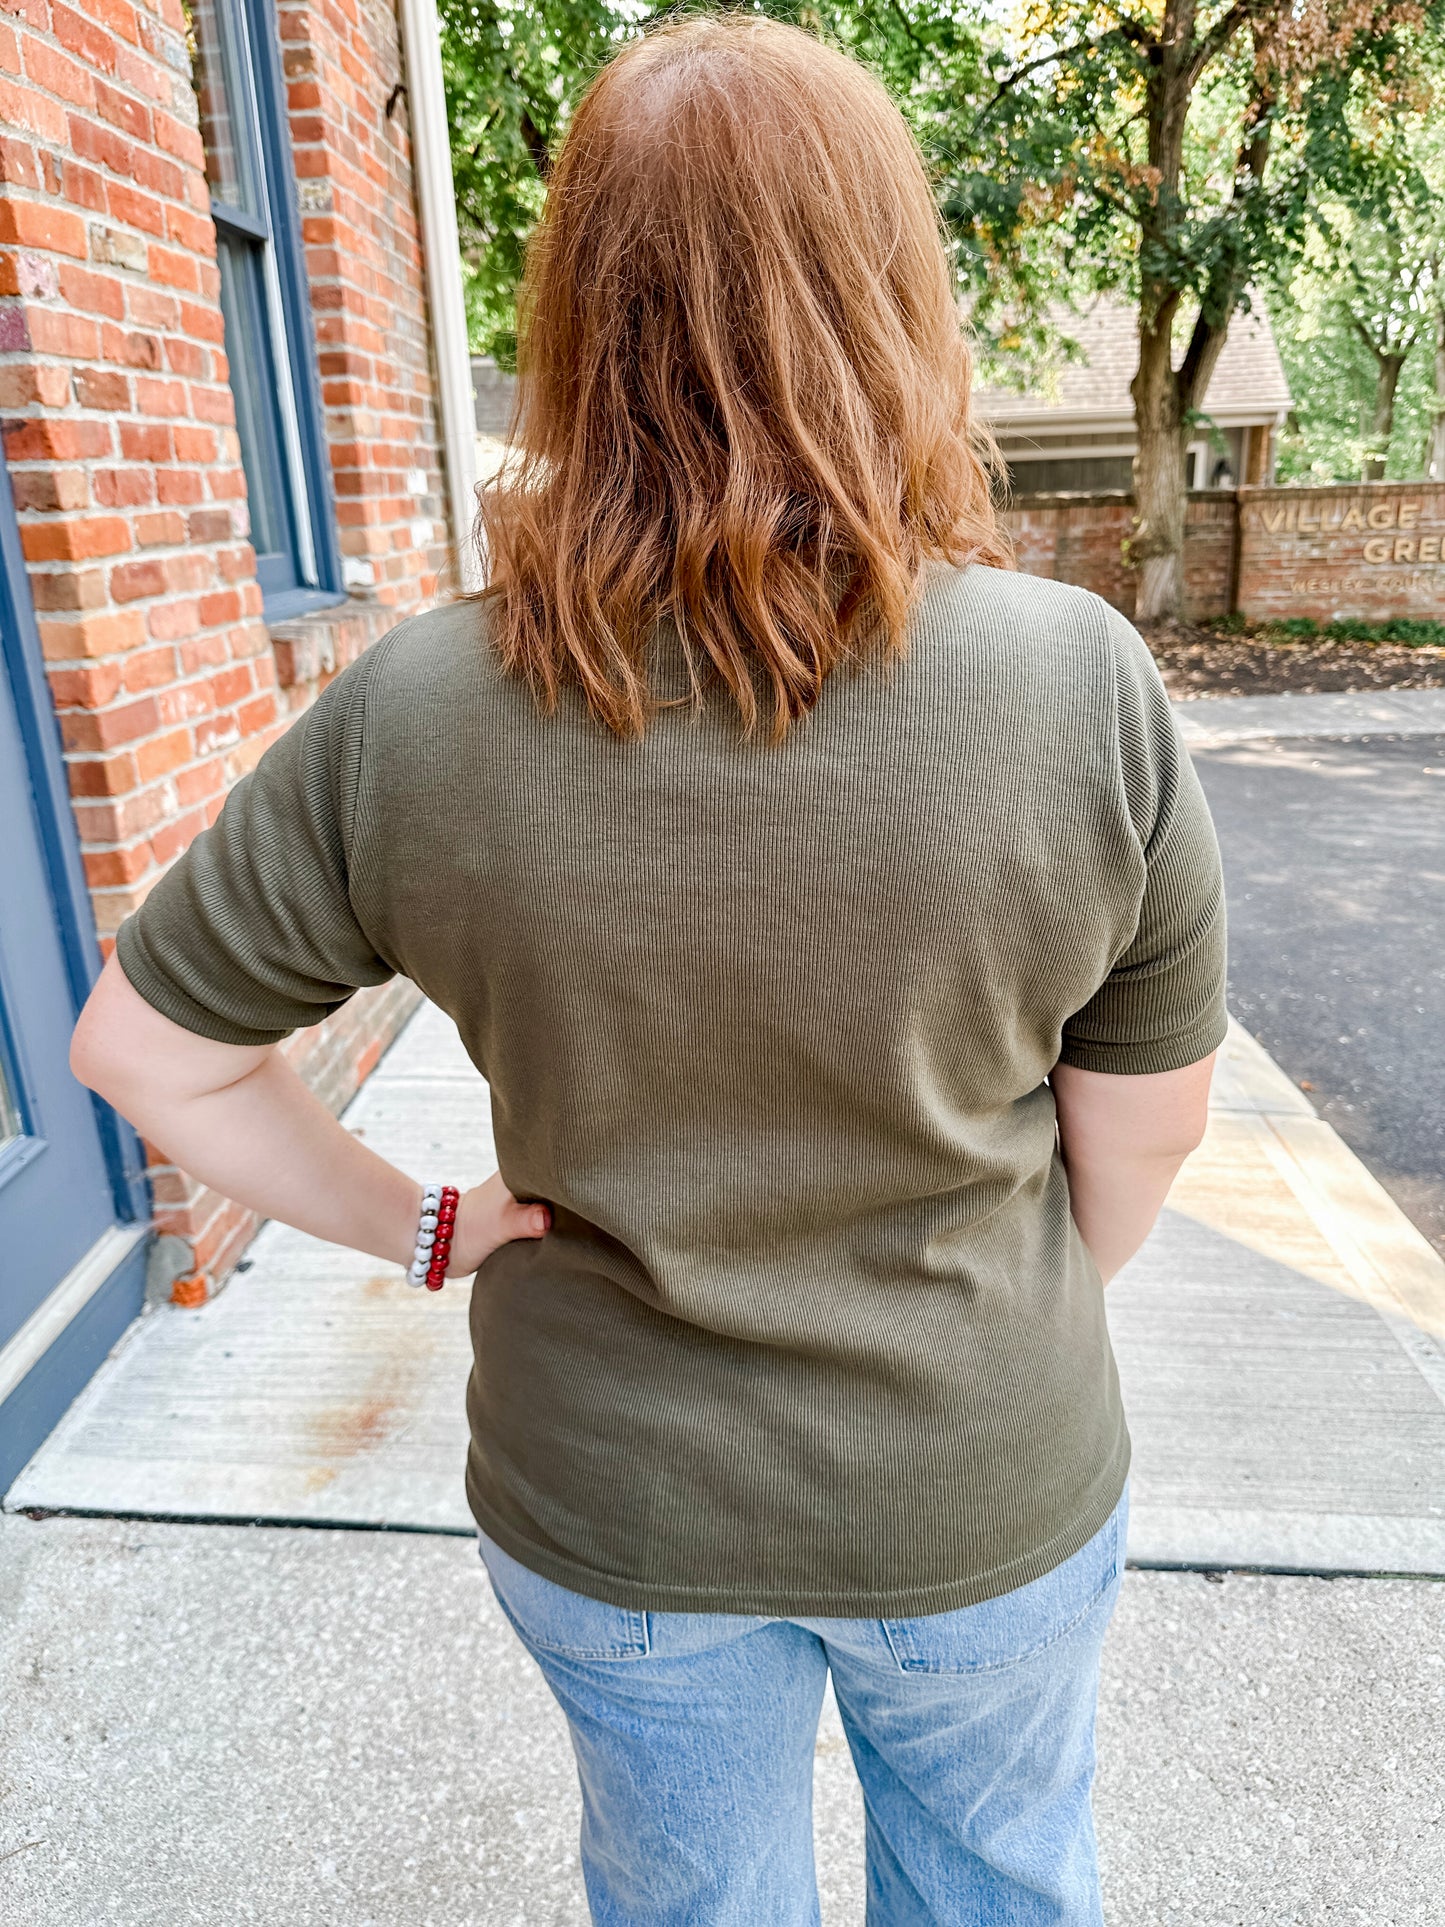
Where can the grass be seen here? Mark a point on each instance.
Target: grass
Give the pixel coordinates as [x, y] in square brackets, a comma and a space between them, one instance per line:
[1409, 631]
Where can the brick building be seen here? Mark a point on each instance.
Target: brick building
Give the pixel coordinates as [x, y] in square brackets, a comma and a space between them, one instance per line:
[232, 370]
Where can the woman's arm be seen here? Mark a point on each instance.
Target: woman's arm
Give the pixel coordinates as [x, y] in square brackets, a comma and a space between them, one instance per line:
[238, 1118]
[1123, 1140]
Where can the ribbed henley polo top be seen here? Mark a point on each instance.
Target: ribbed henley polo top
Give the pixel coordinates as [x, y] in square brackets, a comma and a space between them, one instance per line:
[770, 1028]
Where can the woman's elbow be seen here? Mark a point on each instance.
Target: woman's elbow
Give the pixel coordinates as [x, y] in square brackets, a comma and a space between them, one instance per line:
[1178, 1128]
[1188, 1135]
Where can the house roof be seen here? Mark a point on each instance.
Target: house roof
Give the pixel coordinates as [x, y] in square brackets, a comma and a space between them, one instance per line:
[1248, 384]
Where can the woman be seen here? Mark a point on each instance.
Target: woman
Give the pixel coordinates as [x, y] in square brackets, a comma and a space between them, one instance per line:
[837, 919]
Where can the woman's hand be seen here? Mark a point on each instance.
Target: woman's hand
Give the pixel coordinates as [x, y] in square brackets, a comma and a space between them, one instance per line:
[487, 1216]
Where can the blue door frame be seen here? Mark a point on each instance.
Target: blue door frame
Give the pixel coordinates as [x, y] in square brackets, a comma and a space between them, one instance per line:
[105, 1299]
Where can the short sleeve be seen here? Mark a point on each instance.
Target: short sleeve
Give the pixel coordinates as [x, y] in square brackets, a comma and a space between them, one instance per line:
[1162, 1006]
[251, 933]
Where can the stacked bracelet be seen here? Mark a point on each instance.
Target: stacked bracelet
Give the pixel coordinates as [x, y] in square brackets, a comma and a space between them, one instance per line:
[434, 1236]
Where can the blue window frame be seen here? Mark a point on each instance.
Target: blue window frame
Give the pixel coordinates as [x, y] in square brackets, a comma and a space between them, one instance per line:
[265, 305]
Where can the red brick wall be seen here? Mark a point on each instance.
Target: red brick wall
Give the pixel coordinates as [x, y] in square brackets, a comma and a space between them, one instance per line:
[1079, 539]
[1084, 539]
[1367, 551]
[1211, 553]
[118, 431]
[342, 60]
[1371, 551]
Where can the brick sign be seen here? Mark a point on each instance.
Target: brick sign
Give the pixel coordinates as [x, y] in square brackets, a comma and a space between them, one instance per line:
[1370, 551]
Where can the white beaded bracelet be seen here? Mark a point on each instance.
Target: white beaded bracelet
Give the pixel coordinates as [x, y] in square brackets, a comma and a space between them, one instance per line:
[426, 1235]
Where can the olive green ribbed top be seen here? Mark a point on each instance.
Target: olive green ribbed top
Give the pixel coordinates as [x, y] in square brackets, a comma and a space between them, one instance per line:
[770, 1028]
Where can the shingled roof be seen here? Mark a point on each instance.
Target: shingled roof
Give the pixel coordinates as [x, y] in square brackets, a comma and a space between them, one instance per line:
[1248, 385]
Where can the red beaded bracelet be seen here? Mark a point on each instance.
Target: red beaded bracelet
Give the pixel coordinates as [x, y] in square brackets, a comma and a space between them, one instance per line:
[442, 1248]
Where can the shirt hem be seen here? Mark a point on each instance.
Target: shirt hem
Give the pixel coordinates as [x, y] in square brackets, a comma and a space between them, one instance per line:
[162, 993]
[1145, 1057]
[787, 1602]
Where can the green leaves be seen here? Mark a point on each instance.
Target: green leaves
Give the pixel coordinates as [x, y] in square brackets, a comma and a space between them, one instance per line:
[513, 70]
[1364, 301]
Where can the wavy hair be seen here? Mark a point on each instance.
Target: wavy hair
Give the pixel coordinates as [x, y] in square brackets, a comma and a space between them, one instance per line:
[743, 416]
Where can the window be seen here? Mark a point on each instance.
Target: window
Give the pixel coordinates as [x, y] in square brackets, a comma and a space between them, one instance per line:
[9, 1110]
[264, 304]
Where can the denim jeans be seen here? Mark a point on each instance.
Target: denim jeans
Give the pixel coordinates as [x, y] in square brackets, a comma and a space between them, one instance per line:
[972, 1733]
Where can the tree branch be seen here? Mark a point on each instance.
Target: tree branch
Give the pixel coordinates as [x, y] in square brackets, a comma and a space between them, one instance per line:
[1367, 338]
[909, 26]
[1218, 37]
[1206, 342]
[1130, 33]
[535, 144]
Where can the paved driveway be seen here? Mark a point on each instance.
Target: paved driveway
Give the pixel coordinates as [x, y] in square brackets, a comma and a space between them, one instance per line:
[1334, 855]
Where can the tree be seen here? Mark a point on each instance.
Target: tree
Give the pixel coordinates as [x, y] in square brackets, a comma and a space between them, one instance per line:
[1178, 145]
[1434, 463]
[1381, 258]
[1331, 376]
[1365, 302]
[514, 70]
[1387, 277]
[1388, 327]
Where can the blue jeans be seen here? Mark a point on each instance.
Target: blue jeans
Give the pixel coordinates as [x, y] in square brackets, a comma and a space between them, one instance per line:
[972, 1733]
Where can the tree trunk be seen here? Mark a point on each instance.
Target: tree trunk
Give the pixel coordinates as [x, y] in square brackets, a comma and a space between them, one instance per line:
[1157, 545]
[1387, 380]
[1159, 496]
[1435, 446]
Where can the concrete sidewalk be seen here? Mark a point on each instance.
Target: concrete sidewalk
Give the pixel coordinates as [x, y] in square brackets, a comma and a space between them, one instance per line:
[206, 1725]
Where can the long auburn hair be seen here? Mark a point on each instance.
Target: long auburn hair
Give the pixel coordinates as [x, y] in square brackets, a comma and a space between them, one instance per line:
[744, 399]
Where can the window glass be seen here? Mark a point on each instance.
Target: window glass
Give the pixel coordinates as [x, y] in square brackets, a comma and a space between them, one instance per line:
[9, 1111]
[256, 389]
[224, 94]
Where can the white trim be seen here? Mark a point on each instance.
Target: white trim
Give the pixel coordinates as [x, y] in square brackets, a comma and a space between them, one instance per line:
[290, 429]
[1242, 417]
[436, 195]
[1042, 419]
[1002, 419]
[25, 1350]
[1066, 451]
